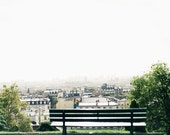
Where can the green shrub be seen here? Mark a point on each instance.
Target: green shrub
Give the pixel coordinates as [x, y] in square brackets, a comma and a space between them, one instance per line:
[46, 126]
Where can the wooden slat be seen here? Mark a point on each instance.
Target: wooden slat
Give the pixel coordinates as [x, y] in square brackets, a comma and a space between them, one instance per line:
[97, 110]
[99, 115]
[99, 120]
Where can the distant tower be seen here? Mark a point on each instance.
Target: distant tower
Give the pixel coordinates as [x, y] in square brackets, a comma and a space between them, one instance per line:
[28, 91]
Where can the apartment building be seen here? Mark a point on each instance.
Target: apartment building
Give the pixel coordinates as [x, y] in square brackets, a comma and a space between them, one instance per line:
[38, 109]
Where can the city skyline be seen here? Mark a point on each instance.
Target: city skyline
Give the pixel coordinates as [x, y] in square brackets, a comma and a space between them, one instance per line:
[43, 40]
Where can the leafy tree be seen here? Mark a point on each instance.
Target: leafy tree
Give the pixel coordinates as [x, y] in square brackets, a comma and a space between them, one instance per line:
[14, 108]
[2, 120]
[152, 90]
[24, 123]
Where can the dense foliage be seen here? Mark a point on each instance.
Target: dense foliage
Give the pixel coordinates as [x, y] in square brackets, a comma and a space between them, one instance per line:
[46, 126]
[134, 104]
[152, 90]
[13, 109]
[2, 120]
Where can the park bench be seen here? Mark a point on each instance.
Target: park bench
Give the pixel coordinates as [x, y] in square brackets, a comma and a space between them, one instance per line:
[98, 118]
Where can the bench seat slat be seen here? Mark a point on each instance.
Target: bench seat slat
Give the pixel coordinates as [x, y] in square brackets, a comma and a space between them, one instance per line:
[100, 120]
[99, 115]
[97, 110]
[95, 124]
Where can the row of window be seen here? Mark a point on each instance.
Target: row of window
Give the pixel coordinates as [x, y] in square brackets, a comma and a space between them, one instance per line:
[38, 102]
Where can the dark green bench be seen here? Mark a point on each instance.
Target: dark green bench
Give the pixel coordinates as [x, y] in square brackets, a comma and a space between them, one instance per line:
[99, 118]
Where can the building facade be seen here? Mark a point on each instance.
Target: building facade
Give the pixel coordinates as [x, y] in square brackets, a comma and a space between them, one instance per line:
[38, 109]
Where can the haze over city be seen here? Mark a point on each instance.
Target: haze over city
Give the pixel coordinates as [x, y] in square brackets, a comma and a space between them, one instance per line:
[44, 40]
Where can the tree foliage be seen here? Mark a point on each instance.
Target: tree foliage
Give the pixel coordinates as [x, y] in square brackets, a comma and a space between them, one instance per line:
[14, 109]
[152, 90]
[46, 126]
[134, 104]
[2, 120]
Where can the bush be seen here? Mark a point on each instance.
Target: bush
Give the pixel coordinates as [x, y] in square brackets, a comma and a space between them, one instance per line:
[136, 129]
[46, 126]
[13, 129]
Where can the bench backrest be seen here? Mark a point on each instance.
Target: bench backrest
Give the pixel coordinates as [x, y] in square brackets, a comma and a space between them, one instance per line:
[106, 115]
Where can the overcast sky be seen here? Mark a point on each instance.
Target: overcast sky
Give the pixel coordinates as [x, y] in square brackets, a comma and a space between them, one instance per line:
[48, 39]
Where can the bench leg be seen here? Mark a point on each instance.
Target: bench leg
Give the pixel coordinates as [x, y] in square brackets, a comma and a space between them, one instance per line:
[64, 130]
[131, 130]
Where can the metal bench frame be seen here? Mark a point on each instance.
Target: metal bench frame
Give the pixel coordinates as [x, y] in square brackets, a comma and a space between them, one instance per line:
[99, 117]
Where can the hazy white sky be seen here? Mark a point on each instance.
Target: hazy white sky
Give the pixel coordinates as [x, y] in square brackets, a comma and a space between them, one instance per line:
[45, 39]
